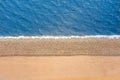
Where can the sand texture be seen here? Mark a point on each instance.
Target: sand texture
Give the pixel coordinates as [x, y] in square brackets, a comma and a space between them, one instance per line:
[66, 47]
[38, 59]
[60, 68]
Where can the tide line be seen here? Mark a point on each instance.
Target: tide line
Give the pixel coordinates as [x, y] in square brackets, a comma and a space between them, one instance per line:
[61, 37]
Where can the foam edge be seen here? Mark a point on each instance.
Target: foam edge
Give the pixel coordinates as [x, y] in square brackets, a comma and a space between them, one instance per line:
[61, 37]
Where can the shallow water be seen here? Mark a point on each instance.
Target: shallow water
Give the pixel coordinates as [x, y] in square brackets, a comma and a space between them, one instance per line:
[59, 17]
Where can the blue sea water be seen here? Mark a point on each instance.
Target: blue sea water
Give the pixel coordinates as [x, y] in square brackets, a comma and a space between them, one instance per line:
[59, 17]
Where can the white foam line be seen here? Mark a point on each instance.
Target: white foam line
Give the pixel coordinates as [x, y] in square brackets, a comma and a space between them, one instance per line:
[61, 37]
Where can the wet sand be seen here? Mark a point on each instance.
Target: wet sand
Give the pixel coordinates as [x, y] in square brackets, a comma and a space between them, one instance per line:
[60, 68]
[50, 47]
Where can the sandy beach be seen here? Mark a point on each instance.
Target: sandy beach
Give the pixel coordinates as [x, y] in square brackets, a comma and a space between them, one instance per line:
[56, 47]
[60, 68]
[80, 59]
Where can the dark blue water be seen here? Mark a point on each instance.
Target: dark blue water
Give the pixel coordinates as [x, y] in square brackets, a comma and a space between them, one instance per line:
[59, 17]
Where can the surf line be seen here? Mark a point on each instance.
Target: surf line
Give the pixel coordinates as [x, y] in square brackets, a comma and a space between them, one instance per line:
[62, 37]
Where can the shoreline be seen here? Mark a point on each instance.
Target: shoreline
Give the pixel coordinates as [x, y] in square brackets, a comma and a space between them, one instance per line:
[62, 37]
[60, 47]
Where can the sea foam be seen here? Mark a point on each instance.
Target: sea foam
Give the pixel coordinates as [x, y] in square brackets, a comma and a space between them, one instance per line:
[61, 37]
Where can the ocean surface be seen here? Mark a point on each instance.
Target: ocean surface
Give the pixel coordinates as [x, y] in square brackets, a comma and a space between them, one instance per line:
[59, 17]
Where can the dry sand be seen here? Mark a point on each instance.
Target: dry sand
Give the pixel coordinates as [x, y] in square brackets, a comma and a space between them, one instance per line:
[60, 67]
[59, 47]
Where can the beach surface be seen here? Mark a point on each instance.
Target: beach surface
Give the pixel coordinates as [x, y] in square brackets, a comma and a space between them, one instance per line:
[62, 47]
[60, 59]
[60, 68]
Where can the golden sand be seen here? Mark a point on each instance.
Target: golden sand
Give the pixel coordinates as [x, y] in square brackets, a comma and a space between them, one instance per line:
[78, 67]
[60, 68]
[59, 47]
